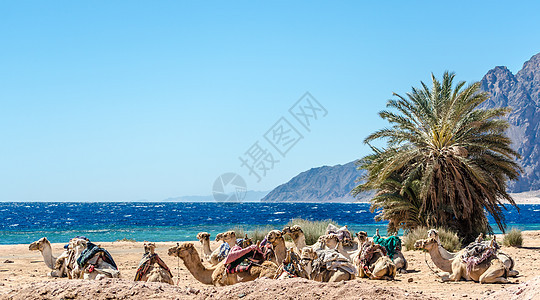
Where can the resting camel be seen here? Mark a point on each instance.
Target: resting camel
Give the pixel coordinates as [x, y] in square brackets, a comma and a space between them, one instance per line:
[307, 259]
[217, 275]
[101, 270]
[297, 235]
[398, 259]
[44, 246]
[507, 261]
[490, 270]
[372, 261]
[228, 237]
[75, 247]
[275, 237]
[152, 268]
[331, 241]
[204, 239]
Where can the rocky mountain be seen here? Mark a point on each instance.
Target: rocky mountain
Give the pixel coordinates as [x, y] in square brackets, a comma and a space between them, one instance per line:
[521, 92]
[323, 184]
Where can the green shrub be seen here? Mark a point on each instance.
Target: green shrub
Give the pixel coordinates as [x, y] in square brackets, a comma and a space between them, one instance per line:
[239, 231]
[256, 234]
[513, 238]
[449, 240]
[312, 229]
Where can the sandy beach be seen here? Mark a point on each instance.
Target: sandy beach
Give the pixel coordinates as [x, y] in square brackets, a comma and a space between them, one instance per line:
[23, 276]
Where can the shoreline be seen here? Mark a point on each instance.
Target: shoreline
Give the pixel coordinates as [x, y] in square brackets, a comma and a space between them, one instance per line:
[401, 235]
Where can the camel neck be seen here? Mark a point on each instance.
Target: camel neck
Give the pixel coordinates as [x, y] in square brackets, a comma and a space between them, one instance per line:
[231, 243]
[49, 259]
[445, 253]
[441, 263]
[206, 247]
[280, 250]
[300, 242]
[197, 269]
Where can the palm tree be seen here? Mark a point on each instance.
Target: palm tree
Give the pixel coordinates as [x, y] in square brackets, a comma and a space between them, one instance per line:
[446, 157]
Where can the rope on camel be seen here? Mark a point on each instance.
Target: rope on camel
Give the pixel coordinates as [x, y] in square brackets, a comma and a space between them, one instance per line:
[425, 259]
[177, 264]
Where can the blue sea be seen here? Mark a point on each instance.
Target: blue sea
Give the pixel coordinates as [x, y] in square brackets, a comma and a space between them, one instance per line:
[22, 223]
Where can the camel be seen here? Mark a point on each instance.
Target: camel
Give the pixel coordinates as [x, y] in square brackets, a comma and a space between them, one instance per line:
[219, 253]
[217, 275]
[297, 235]
[308, 260]
[331, 241]
[228, 237]
[372, 261]
[398, 259]
[97, 263]
[491, 270]
[75, 248]
[44, 246]
[204, 239]
[507, 261]
[275, 237]
[66, 263]
[152, 268]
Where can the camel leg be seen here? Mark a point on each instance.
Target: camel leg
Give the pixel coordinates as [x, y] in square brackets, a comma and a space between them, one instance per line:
[384, 270]
[445, 276]
[456, 270]
[494, 274]
[401, 263]
[340, 276]
[361, 273]
[512, 273]
[378, 272]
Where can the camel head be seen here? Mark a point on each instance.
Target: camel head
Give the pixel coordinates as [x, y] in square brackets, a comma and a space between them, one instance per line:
[77, 242]
[362, 236]
[433, 233]
[203, 236]
[426, 244]
[149, 247]
[292, 231]
[308, 254]
[329, 240]
[228, 236]
[219, 237]
[274, 236]
[182, 250]
[39, 244]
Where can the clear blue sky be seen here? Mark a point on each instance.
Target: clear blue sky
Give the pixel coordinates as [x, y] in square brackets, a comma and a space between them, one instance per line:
[117, 100]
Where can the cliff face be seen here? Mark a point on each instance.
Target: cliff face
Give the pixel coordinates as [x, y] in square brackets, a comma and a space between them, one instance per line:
[323, 184]
[521, 92]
